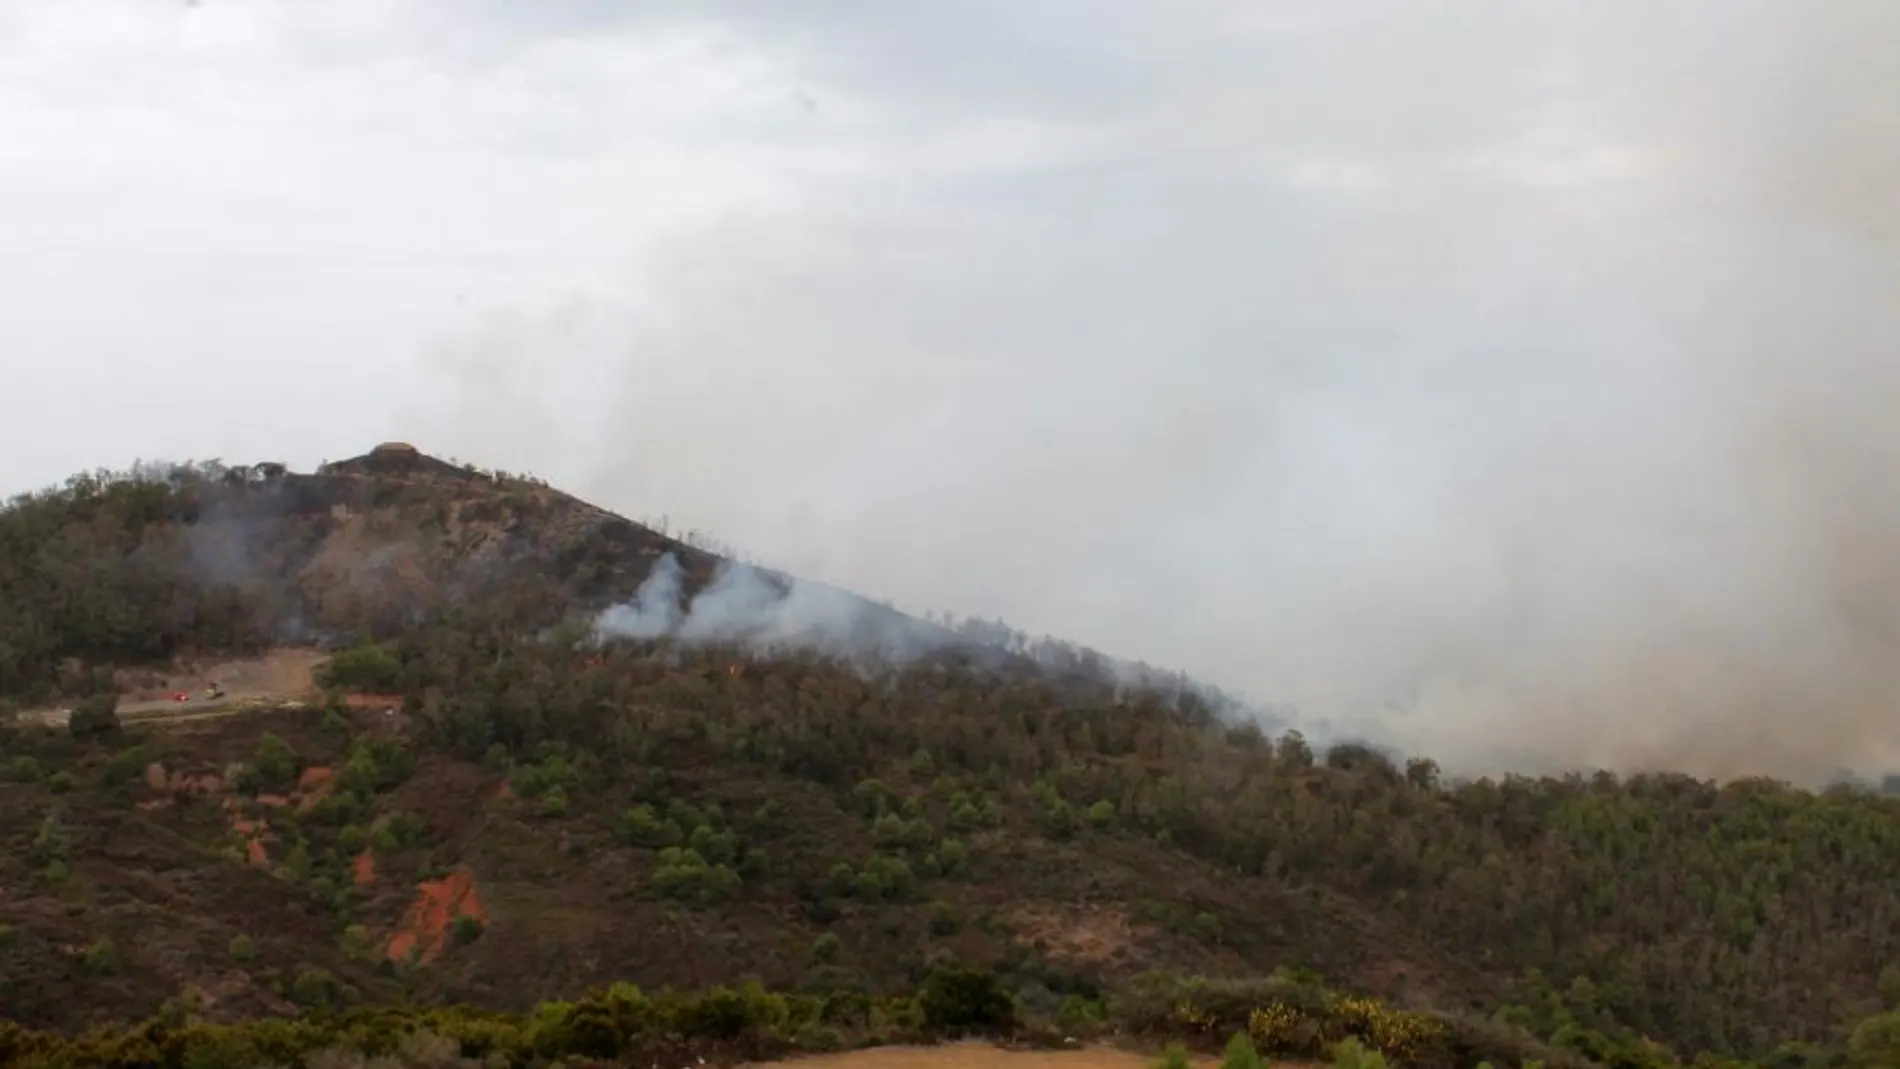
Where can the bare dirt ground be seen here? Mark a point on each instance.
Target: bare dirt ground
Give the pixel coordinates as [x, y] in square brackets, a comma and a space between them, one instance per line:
[985, 1056]
[279, 675]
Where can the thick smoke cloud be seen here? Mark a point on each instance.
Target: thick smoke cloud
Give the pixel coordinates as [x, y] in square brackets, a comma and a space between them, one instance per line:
[768, 612]
[1512, 377]
[747, 606]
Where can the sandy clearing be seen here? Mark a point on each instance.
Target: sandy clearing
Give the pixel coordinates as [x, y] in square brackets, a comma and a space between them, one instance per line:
[279, 675]
[987, 1056]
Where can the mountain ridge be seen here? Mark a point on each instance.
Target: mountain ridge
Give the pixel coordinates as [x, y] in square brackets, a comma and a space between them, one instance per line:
[688, 804]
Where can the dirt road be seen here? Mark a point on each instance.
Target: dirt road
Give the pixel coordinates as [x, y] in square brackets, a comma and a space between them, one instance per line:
[986, 1056]
[149, 711]
[977, 1056]
[282, 675]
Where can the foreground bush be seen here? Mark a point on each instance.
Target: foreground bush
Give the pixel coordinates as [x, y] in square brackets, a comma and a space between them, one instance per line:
[1287, 1018]
[627, 1026]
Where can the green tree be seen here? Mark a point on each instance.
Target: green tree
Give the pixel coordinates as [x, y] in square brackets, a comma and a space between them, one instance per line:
[371, 668]
[95, 717]
[1241, 1054]
[957, 1000]
[276, 762]
[1875, 1042]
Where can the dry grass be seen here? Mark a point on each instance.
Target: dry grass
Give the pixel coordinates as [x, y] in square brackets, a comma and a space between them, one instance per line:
[987, 1056]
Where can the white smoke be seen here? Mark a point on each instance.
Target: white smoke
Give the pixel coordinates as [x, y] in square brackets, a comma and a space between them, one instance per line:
[654, 611]
[761, 610]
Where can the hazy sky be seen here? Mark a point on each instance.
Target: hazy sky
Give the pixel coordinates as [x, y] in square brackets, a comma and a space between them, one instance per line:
[1523, 367]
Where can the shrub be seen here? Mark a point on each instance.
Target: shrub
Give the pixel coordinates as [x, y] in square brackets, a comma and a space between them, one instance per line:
[317, 989]
[684, 876]
[872, 797]
[125, 766]
[51, 843]
[242, 948]
[964, 815]
[95, 717]
[467, 929]
[957, 1000]
[641, 826]
[1076, 1013]
[276, 762]
[1875, 1042]
[715, 846]
[375, 766]
[102, 957]
[944, 919]
[1241, 1054]
[1350, 1053]
[843, 879]
[368, 667]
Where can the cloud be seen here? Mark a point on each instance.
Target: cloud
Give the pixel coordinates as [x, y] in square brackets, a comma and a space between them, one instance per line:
[1505, 375]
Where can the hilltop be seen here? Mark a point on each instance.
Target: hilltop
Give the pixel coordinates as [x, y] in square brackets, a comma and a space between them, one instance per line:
[512, 747]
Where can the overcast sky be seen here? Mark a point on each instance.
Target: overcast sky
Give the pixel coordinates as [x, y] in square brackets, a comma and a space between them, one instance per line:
[1521, 371]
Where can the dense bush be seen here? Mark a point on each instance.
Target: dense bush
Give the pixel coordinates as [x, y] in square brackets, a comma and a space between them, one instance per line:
[1735, 918]
[372, 668]
[629, 1026]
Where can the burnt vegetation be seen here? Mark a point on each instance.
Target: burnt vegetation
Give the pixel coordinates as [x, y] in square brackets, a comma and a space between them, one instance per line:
[543, 816]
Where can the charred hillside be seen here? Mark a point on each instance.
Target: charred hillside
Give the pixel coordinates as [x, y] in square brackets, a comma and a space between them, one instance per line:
[702, 803]
[144, 564]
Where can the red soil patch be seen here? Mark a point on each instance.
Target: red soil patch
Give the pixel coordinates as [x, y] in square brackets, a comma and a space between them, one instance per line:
[312, 786]
[252, 831]
[425, 925]
[364, 869]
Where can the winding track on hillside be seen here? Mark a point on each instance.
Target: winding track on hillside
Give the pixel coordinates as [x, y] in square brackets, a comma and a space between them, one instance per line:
[273, 679]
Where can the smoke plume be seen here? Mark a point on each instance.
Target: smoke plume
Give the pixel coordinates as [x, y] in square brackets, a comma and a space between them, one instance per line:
[1513, 380]
[751, 607]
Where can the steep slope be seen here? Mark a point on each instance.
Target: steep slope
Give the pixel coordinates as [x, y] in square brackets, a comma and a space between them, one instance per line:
[532, 813]
[154, 562]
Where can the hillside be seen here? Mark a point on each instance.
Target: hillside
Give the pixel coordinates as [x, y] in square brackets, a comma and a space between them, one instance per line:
[476, 802]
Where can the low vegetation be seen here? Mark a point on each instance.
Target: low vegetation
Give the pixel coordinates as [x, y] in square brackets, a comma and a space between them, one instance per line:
[623, 1025]
[541, 817]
